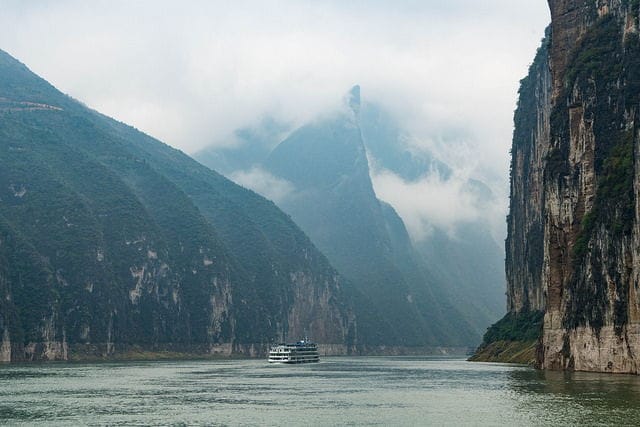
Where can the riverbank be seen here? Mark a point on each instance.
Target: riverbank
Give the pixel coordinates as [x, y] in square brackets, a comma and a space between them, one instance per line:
[522, 352]
[513, 339]
[65, 352]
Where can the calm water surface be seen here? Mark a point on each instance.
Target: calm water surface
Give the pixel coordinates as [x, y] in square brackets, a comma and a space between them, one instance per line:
[337, 391]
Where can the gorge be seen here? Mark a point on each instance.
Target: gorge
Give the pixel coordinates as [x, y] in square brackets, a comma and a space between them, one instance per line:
[113, 242]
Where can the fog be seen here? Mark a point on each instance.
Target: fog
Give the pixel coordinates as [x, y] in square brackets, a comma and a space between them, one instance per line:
[433, 202]
[191, 73]
[264, 183]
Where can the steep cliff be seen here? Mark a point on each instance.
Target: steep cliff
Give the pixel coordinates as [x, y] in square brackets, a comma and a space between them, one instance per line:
[364, 238]
[112, 241]
[591, 229]
[574, 222]
[524, 245]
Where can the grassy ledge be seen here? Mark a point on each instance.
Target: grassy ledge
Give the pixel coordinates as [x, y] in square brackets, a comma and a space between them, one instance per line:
[513, 339]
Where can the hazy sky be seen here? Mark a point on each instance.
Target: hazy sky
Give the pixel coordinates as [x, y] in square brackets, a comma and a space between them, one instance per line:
[191, 72]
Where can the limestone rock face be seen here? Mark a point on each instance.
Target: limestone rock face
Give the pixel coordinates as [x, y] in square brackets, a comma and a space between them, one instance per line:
[574, 226]
[524, 243]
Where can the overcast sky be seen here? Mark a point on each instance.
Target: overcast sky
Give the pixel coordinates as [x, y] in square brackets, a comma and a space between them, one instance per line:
[191, 72]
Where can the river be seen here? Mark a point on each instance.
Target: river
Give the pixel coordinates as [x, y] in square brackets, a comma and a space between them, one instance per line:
[337, 391]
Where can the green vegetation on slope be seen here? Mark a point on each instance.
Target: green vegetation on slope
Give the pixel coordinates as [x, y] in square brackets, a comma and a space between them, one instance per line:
[513, 339]
[604, 75]
[109, 238]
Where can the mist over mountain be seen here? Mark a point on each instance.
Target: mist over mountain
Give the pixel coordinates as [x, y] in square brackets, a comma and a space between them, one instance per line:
[251, 146]
[243, 76]
[449, 214]
[391, 148]
[448, 279]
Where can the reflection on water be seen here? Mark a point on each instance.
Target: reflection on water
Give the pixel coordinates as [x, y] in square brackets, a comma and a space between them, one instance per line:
[337, 391]
[581, 397]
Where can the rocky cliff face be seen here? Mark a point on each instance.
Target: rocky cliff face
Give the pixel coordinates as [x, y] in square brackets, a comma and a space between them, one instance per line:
[524, 245]
[573, 242]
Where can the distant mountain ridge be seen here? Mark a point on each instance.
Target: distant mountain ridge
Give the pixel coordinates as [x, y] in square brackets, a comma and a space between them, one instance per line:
[413, 292]
[112, 242]
[335, 202]
[464, 258]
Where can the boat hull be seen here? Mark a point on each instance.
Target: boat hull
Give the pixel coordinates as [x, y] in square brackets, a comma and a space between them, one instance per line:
[293, 362]
[301, 352]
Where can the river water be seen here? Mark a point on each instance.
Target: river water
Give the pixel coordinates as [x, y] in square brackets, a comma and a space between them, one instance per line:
[337, 391]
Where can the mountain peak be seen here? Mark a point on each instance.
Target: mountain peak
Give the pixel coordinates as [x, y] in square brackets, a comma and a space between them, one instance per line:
[353, 99]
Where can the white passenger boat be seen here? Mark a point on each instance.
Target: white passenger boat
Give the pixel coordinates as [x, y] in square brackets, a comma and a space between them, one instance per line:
[301, 352]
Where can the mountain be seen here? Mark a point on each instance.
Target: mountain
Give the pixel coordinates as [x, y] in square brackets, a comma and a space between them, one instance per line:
[112, 242]
[464, 258]
[440, 291]
[320, 174]
[572, 247]
[391, 148]
[364, 238]
[252, 145]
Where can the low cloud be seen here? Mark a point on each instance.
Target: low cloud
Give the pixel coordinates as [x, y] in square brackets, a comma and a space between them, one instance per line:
[192, 73]
[435, 202]
[264, 183]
